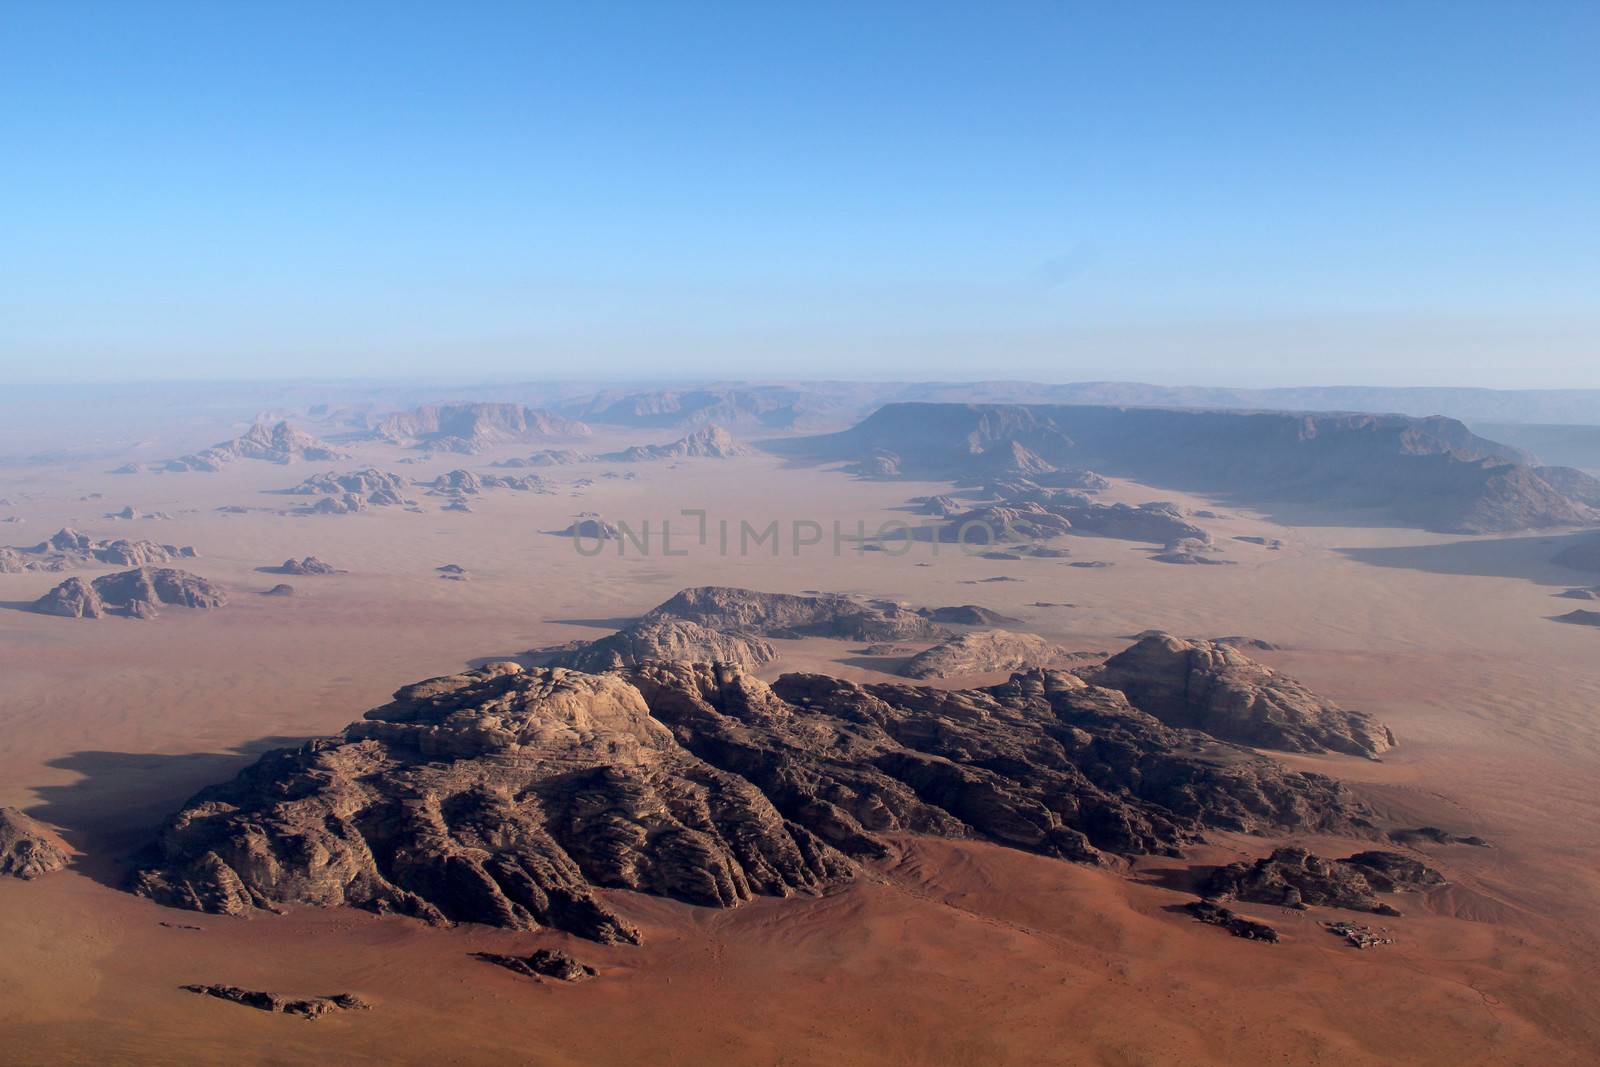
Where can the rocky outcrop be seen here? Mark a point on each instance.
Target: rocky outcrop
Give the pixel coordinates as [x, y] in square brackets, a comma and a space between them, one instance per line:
[787, 615]
[543, 963]
[549, 457]
[355, 490]
[466, 483]
[136, 593]
[311, 1008]
[1214, 914]
[310, 565]
[710, 442]
[1296, 878]
[1205, 685]
[67, 549]
[276, 443]
[472, 428]
[281, 589]
[1027, 517]
[665, 641]
[982, 652]
[967, 615]
[28, 849]
[1580, 617]
[1191, 551]
[506, 796]
[591, 528]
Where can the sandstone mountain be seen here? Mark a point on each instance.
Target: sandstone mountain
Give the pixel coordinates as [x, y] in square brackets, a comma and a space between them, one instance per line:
[471, 428]
[1205, 685]
[508, 796]
[787, 615]
[277, 443]
[774, 407]
[310, 565]
[711, 442]
[355, 490]
[982, 652]
[665, 641]
[466, 483]
[137, 594]
[1431, 472]
[67, 548]
[27, 849]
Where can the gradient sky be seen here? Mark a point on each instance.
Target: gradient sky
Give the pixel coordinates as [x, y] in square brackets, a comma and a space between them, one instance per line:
[1198, 192]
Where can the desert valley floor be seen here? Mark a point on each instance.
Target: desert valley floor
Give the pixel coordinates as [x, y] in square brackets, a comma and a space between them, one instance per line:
[947, 952]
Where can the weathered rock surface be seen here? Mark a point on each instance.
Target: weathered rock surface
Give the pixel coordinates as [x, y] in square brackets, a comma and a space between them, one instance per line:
[355, 490]
[1214, 914]
[136, 593]
[788, 615]
[983, 652]
[592, 528]
[710, 442]
[27, 848]
[281, 589]
[665, 641]
[311, 1008]
[1205, 685]
[506, 796]
[67, 548]
[276, 443]
[1191, 551]
[1296, 878]
[543, 963]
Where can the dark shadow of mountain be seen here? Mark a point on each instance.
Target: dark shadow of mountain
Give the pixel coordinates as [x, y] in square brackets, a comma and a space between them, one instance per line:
[1528, 558]
[115, 808]
[1186, 879]
[597, 624]
[16, 605]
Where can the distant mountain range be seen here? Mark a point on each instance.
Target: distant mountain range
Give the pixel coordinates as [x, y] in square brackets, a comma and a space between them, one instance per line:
[1427, 472]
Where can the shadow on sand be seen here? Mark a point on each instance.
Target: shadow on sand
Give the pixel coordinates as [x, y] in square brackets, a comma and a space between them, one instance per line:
[115, 808]
[1528, 558]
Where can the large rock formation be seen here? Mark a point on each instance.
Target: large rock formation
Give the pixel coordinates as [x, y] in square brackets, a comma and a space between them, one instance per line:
[305, 1007]
[310, 565]
[276, 443]
[1204, 685]
[466, 483]
[1430, 472]
[507, 796]
[665, 641]
[67, 548]
[548, 457]
[471, 428]
[1038, 516]
[787, 615]
[1296, 878]
[355, 490]
[137, 593]
[27, 849]
[982, 652]
[711, 442]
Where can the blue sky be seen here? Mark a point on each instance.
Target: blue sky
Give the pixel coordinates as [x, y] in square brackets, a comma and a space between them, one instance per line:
[1252, 194]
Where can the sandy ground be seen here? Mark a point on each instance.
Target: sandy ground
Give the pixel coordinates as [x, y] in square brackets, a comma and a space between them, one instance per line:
[950, 954]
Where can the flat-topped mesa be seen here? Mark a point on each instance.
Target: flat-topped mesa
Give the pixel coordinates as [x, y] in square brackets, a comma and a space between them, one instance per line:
[1213, 687]
[788, 615]
[136, 593]
[710, 442]
[28, 849]
[67, 548]
[474, 427]
[508, 796]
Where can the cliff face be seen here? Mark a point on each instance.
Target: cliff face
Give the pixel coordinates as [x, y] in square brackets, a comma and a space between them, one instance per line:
[1430, 472]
